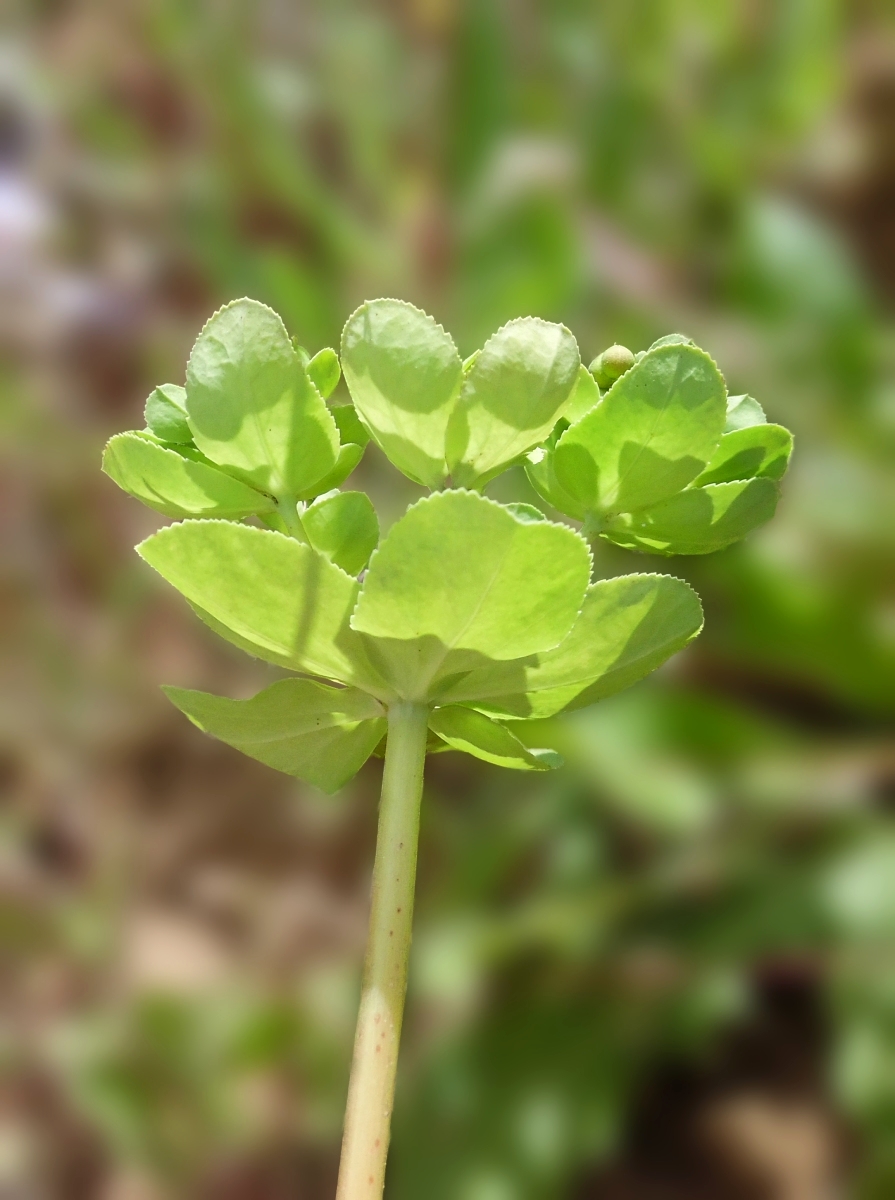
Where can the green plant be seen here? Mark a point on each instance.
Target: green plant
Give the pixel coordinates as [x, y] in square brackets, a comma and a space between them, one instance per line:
[472, 617]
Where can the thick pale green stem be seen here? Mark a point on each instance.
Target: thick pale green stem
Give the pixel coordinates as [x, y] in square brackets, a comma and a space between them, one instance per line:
[372, 1085]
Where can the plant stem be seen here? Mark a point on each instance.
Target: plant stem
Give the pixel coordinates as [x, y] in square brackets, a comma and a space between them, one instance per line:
[371, 1088]
[287, 507]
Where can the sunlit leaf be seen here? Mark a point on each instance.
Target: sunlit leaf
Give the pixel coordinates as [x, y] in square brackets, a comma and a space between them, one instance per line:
[474, 733]
[699, 520]
[252, 408]
[318, 733]
[175, 485]
[404, 374]
[628, 626]
[280, 599]
[512, 395]
[349, 424]
[349, 456]
[650, 435]
[324, 371]
[542, 477]
[748, 453]
[460, 578]
[344, 527]
[742, 412]
[165, 413]
[585, 396]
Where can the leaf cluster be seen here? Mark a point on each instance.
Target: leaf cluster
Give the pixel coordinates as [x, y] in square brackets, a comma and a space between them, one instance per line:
[483, 612]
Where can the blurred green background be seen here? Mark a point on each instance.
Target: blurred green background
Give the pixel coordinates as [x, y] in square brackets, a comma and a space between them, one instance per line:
[667, 971]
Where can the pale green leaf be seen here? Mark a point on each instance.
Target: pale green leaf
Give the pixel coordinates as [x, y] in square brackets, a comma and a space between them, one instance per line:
[324, 371]
[349, 424]
[252, 408]
[404, 374]
[628, 627]
[512, 395]
[743, 412]
[344, 527]
[672, 339]
[748, 453]
[165, 413]
[474, 733]
[318, 733]
[269, 594]
[175, 485]
[349, 456]
[650, 435]
[699, 520]
[584, 397]
[460, 578]
[542, 477]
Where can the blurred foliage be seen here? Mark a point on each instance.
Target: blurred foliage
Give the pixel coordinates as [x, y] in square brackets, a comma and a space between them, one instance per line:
[181, 932]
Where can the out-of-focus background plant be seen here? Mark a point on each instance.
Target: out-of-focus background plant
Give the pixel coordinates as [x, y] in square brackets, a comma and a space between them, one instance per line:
[668, 970]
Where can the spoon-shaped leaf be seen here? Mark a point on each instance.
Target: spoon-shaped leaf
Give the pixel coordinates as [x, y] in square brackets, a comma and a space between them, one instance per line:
[650, 435]
[628, 627]
[165, 414]
[460, 576]
[349, 456]
[474, 733]
[512, 395]
[175, 485]
[318, 733]
[699, 520]
[404, 374]
[756, 450]
[344, 527]
[252, 408]
[279, 597]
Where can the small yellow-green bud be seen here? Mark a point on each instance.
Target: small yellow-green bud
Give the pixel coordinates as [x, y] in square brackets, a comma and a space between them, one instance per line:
[611, 365]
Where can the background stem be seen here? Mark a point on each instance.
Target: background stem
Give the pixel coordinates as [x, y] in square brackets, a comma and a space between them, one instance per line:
[372, 1085]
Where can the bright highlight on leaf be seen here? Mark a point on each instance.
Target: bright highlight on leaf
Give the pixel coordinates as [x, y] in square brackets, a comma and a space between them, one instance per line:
[460, 578]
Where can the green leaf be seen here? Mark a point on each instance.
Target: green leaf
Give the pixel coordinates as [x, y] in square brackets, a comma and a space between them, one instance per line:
[404, 374]
[460, 578]
[748, 453]
[650, 435]
[512, 395]
[269, 594]
[175, 485]
[318, 733]
[252, 408]
[539, 467]
[584, 397]
[349, 456]
[474, 733]
[742, 412]
[349, 425]
[165, 413]
[344, 527]
[628, 627]
[699, 520]
[672, 339]
[324, 371]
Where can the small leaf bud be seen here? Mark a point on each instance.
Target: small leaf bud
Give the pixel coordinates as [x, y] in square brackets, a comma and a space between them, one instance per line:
[611, 365]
